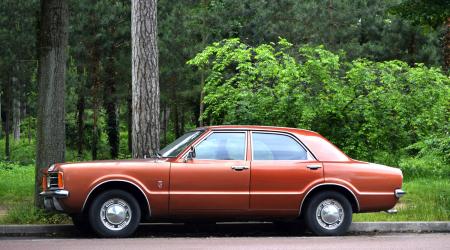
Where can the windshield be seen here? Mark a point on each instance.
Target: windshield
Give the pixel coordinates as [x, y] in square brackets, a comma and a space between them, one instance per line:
[176, 147]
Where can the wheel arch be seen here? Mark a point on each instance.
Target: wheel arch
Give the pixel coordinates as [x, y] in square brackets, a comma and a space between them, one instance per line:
[348, 193]
[124, 185]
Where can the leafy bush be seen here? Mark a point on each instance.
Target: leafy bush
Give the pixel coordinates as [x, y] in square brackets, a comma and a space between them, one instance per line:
[372, 110]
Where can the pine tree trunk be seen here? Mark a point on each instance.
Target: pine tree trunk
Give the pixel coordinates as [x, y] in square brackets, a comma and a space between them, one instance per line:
[94, 79]
[7, 118]
[165, 122]
[53, 38]
[1, 128]
[81, 106]
[96, 110]
[16, 109]
[447, 46]
[145, 82]
[129, 120]
[112, 111]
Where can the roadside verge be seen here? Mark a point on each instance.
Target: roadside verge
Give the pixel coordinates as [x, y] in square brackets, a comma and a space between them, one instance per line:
[355, 228]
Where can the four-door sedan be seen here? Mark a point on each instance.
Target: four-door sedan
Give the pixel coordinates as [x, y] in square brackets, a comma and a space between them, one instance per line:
[225, 173]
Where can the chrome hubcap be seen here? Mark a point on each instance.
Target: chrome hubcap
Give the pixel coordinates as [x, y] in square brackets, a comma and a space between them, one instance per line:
[330, 214]
[115, 214]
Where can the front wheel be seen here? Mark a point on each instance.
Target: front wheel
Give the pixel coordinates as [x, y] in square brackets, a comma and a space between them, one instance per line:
[114, 213]
[81, 223]
[328, 213]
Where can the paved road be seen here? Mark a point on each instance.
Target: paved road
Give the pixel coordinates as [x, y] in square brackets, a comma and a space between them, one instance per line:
[393, 241]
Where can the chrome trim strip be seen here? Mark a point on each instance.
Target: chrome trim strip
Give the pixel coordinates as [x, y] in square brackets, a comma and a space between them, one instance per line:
[399, 193]
[232, 193]
[309, 154]
[375, 193]
[330, 184]
[118, 180]
[184, 156]
[58, 193]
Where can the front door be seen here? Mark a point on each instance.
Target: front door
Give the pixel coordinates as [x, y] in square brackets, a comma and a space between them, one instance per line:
[218, 178]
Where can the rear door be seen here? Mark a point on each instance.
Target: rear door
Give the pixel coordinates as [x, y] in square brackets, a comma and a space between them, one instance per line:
[282, 169]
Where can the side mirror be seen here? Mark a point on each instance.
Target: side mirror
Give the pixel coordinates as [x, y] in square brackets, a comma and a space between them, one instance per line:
[191, 154]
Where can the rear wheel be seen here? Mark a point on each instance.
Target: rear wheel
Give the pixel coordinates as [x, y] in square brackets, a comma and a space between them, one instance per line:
[114, 213]
[328, 213]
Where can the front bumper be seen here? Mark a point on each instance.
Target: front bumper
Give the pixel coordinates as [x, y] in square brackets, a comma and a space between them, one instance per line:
[51, 199]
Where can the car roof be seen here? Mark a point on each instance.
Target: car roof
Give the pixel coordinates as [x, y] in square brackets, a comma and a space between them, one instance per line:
[261, 128]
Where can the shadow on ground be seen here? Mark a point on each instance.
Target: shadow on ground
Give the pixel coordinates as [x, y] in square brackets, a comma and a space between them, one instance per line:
[221, 230]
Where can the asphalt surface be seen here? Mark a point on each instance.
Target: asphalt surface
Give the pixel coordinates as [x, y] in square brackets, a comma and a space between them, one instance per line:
[391, 241]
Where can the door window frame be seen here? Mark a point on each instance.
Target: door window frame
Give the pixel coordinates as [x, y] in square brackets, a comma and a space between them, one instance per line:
[209, 133]
[309, 155]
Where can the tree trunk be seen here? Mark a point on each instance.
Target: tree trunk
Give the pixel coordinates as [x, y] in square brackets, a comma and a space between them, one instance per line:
[129, 121]
[94, 79]
[1, 120]
[412, 49]
[53, 37]
[112, 111]
[7, 117]
[81, 106]
[175, 101]
[16, 108]
[7, 147]
[165, 122]
[96, 108]
[145, 82]
[447, 46]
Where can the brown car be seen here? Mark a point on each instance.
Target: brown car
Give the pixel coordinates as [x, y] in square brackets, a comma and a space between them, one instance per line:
[225, 173]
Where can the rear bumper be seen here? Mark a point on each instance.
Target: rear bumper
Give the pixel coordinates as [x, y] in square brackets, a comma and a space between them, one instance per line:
[399, 193]
[51, 199]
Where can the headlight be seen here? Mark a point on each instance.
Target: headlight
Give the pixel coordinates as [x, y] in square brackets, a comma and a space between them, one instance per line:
[51, 168]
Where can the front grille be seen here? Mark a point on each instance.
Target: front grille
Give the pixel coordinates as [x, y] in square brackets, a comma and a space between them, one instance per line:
[52, 180]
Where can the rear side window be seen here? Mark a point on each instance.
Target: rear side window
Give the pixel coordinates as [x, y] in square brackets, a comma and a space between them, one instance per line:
[222, 146]
[267, 146]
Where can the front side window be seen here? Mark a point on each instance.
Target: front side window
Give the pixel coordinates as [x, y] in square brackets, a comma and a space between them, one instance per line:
[222, 146]
[267, 146]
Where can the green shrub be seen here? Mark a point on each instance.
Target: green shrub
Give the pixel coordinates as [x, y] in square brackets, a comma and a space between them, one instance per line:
[26, 213]
[373, 111]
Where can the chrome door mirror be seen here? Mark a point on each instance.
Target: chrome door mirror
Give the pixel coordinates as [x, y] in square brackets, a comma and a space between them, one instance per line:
[191, 154]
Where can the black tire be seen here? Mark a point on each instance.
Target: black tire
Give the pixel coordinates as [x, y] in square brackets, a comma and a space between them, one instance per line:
[81, 223]
[126, 201]
[319, 226]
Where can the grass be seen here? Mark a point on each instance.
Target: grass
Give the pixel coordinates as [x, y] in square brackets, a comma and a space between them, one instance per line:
[427, 200]
[16, 196]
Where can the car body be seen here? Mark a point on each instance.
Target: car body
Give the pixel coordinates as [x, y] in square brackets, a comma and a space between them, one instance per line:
[225, 173]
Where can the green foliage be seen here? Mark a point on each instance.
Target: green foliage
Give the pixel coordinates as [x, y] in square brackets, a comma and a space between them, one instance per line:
[427, 200]
[29, 214]
[16, 196]
[424, 12]
[367, 108]
[429, 157]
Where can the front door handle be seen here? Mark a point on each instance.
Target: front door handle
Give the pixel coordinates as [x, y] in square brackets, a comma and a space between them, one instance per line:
[313, 167]
[239, 168]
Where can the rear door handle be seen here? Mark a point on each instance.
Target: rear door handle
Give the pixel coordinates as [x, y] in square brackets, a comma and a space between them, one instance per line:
[313, 167]
[239, 168]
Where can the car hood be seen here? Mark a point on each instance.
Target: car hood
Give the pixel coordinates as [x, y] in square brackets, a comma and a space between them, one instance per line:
[108, 163]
